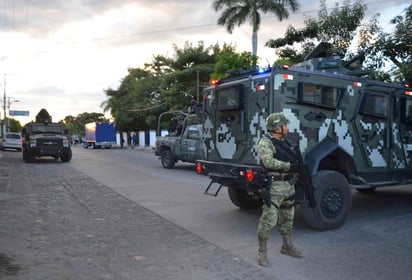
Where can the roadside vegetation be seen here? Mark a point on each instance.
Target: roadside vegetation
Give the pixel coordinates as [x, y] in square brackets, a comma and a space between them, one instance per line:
[173, 83]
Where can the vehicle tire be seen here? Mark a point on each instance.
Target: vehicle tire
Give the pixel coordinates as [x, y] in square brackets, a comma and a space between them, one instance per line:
[67, 156]
[28, 157]
[167, 159]
[333, 201]
[85, 145]
[244, 199]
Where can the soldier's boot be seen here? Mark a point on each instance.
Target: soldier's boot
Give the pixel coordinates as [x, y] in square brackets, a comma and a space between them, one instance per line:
[262, 257]
[288, 248]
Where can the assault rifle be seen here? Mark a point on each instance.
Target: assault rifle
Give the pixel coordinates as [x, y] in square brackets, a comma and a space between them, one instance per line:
[303, 182]
[303, 186]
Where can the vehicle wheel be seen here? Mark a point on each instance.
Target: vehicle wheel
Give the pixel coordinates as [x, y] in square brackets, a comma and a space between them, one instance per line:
[333, 201]
[67, 156]
[167, 159]
[244, 199]
[85, 145]
[28, 157]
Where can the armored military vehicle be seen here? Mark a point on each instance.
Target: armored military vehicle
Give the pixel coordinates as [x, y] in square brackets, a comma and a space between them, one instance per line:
[353, 132]
[181, 141]
[43, 138]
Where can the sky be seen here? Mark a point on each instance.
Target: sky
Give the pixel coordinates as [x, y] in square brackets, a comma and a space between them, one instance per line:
[62, 55]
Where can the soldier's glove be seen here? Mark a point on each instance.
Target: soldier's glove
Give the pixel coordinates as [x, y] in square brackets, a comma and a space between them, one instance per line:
[296, 167]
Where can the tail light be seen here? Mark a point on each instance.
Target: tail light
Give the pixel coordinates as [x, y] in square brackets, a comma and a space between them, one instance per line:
[199, 168]
[249, 175]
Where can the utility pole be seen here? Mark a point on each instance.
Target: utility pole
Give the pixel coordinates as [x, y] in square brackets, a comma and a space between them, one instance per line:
[4, 107]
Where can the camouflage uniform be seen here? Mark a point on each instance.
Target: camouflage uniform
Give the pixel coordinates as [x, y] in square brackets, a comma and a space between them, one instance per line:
[280, 190]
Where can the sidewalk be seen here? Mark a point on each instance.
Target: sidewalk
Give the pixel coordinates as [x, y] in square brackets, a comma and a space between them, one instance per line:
[57, 223]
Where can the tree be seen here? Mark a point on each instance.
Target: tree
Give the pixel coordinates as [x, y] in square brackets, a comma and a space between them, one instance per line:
[169, 83]
[14, 125]
[396, 46]
[236, 12]
[192, 66]
[337, 27]
[228, 59]
[75, 125]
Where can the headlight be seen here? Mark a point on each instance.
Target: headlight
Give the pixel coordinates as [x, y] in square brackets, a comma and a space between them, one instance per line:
[66, 143]
[32, 143]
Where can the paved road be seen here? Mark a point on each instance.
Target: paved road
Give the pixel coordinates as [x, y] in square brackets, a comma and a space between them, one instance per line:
[375, 242]
[58, 223]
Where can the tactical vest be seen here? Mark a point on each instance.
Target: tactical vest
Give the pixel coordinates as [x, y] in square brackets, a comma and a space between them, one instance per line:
[279, 146]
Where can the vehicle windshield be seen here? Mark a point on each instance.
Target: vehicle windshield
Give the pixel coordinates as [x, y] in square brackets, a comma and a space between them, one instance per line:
[13, 136]
[50, 128]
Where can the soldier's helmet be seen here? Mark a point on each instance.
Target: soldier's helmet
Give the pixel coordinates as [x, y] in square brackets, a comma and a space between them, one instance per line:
[276, 120]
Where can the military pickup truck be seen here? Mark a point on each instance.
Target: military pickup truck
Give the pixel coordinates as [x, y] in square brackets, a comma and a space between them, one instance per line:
[181, 141]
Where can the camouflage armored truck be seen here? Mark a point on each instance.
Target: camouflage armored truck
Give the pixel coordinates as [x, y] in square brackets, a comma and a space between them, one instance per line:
[43, 138]
[353, 132]
[182, 139]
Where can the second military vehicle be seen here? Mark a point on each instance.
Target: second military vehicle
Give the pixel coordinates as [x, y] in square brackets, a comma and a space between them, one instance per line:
[182, 139]
[353, 132]
[43, 138]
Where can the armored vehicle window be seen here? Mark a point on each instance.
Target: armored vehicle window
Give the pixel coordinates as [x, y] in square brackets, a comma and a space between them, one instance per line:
[319, 94]
[229, 98]
[50, 128]
[328, 64]
[375, 105]
[406, 110]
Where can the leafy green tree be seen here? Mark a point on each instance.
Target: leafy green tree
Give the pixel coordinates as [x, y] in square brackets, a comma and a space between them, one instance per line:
[75, 125]
[236, 12]
[132, 103]
[337, 27]
[396, 47]
[14, 125]
[181, 77]
[169, 84]
[227, 59]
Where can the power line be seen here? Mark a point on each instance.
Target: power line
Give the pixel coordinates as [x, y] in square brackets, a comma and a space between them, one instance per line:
[207, 25]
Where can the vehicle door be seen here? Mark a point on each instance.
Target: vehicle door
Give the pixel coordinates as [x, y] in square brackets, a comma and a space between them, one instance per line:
[372, 128]
[190, 145]
[405, 125]
[241, 110]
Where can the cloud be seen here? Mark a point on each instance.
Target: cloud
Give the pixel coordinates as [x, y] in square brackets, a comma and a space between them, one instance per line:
[64, 54]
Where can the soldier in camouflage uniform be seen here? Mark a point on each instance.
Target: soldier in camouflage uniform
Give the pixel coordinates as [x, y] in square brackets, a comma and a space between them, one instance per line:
[281, 210]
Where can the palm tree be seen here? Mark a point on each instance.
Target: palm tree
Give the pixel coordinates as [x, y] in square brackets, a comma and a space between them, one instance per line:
[238, 11]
